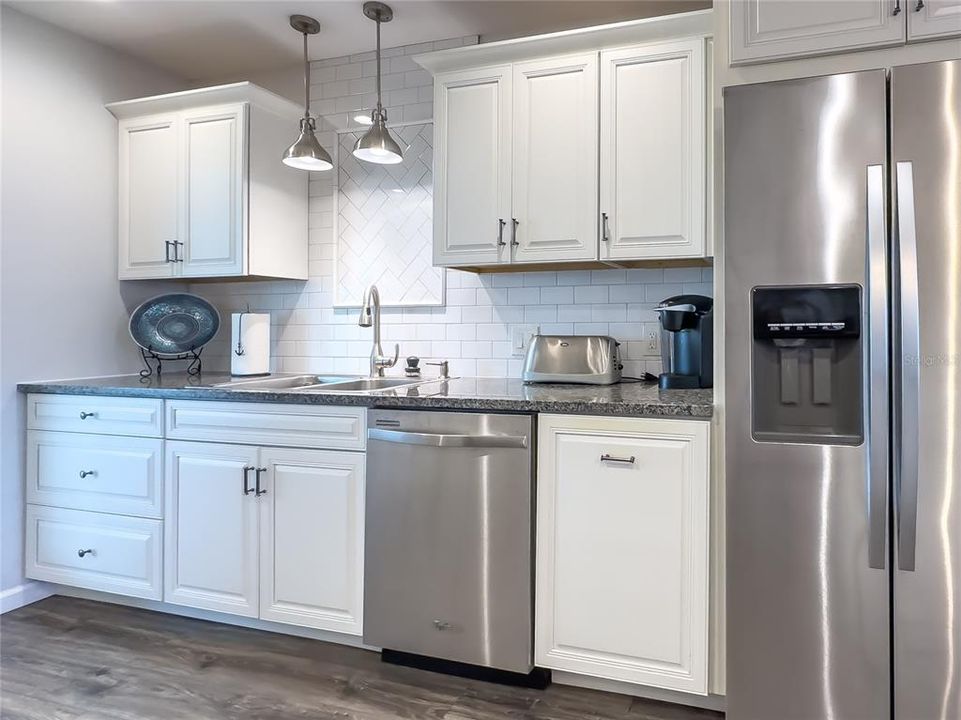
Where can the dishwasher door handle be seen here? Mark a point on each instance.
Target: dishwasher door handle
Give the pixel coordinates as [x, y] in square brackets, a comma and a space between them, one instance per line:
[436, 440]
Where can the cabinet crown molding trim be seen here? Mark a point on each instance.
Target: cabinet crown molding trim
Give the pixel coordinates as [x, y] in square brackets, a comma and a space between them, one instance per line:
[599, 37]
[232, 93]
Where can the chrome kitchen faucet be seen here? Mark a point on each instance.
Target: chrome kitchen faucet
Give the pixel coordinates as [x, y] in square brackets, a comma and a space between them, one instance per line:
[370, 315]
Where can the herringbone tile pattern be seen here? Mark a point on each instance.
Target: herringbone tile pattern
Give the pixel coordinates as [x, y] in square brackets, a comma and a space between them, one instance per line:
[384, 215]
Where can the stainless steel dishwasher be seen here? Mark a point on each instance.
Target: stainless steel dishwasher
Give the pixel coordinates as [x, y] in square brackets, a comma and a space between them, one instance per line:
[449, 536]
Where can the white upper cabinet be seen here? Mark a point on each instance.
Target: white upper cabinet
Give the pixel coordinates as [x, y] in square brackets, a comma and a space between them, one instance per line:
[472, 167]
[933, 19]
[770, 30]
[653, 172]
[530, 134]
[150, 203]
[213, 158]
[203, 191]
[554, 188]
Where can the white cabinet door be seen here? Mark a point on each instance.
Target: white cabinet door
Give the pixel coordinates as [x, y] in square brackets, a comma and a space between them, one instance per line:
[210, 528]
[312, 539]
[555, 159]
[767, 30]
[933, 19]
[214, 140]
[149, 197]
[652, 159]
[622, 549]
[472, 167]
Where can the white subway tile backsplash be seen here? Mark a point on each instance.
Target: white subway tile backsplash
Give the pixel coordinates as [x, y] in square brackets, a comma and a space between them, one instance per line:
[473, 328]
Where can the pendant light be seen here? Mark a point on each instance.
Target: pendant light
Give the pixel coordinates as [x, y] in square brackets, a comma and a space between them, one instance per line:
[377, 145]
[306, 153]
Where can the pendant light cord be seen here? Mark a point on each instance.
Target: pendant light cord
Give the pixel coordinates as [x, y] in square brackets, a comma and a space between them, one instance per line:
[306, 81]
[380, 107]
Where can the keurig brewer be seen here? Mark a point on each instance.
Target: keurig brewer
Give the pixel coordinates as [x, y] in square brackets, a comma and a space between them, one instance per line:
[687, 342]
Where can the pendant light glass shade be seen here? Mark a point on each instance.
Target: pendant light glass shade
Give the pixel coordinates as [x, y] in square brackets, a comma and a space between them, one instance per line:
[306, 153]
[377, 145]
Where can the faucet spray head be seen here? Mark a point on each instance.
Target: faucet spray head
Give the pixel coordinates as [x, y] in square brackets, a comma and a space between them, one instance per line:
[365, 317]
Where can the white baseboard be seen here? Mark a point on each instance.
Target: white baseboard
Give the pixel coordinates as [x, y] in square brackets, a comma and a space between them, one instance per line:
[24, 594]
[709, 702]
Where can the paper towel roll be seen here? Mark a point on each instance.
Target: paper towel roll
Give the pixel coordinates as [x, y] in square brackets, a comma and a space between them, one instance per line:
[250, 343]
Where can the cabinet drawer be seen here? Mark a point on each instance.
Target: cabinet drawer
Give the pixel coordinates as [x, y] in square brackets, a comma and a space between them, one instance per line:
[124, 555]
[93, 414]
[95, 472]
[307, 426]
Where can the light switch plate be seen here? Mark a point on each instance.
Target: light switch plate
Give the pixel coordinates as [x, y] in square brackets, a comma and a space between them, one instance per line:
[521, 338]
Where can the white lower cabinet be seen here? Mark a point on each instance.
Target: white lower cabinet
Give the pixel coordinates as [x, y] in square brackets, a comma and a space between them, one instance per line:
[210, 534]
[312, 539]
[622, 549]
[112, 553]
[274, 533]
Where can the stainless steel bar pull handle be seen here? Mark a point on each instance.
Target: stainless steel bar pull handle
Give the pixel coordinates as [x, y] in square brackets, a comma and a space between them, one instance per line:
[167, 244]
[612, 458]
[177, 245]
[260, 491]
[876, 410]
[897, 7]
[445, 440]
[920, 6]
[247, 488]
[514, 223]
[909, 364]
[605, 230]
[500, 231]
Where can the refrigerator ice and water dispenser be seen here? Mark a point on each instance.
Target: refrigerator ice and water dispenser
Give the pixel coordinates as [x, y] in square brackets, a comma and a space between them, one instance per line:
[807, 374]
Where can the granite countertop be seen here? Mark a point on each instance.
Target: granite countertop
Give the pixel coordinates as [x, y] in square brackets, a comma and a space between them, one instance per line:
[626, 399]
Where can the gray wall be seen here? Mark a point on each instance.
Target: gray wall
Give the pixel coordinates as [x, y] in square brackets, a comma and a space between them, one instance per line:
[63, 313]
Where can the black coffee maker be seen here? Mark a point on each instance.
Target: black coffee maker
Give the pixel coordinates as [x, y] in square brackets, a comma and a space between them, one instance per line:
[687, 342]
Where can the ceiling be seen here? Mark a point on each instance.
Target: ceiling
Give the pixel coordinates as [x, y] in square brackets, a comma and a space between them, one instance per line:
[211, 39]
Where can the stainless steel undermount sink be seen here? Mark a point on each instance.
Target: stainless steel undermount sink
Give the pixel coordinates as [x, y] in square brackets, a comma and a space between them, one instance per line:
[366, 385]
[280, 384]
[319, 383]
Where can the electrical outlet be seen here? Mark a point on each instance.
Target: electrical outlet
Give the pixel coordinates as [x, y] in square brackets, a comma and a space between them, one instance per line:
[521, 338]
[653, 340]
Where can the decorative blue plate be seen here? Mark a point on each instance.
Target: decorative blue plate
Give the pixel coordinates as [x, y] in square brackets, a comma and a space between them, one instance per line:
[174, 324]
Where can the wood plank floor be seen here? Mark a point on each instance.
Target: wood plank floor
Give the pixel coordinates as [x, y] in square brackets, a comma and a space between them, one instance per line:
[69, 659]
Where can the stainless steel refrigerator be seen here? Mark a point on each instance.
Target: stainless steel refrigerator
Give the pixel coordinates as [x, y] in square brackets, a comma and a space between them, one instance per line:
[842, 365]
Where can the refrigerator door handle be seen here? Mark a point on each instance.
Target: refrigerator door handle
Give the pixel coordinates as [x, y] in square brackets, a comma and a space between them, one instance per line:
[876, 371]
[909, 364]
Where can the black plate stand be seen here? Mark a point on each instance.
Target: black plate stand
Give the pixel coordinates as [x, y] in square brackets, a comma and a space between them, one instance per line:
[193, 356]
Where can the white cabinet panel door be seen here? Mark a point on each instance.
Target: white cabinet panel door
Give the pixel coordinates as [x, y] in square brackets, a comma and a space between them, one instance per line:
[555, 159]
[149, 197]
[472, 166]
[622, 550]
[652, 159]
[214, 191]
[312, 539]
[767, 30]
[210, 529]
[933, 19]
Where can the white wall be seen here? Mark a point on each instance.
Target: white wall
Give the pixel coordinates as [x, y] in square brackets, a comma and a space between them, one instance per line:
[473, 330]
[63, 313]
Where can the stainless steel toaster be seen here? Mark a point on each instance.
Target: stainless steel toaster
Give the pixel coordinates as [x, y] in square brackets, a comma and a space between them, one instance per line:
[588, 359]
